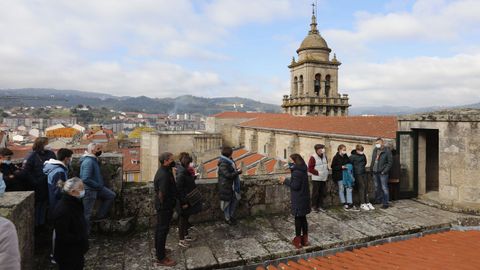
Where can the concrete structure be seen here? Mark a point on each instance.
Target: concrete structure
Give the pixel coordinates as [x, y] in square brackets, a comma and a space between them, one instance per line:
[440, 156]
[202, 146]
[314, 79]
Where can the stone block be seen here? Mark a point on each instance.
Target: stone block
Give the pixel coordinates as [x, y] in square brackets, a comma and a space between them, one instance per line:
[448, 192]
[200, 258]
[469, 194]
[19, 208]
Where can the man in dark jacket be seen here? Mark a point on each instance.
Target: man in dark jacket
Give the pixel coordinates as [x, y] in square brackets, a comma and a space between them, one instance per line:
[71, 241]
[359, 161]
[94, 186]
[228, 185]
[381, 163]
[165, 200]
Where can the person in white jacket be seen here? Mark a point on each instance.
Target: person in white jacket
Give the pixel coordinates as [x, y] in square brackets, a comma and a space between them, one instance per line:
[318, 170]
[9, 252]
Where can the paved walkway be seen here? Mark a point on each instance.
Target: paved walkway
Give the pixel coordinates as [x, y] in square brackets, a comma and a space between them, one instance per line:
[448, 250]
[257, 240]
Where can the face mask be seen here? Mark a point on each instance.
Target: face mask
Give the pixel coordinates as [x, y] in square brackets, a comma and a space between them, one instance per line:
[322, 150]
[291, 165]
[191, 164]
[99, 153]
[378, 145]
[82, 194]
[343, 153]
[360, 153]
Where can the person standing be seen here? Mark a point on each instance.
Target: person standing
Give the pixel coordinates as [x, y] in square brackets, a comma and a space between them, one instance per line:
[33, 168]
[229, 185]
[94, 186]
[382, 161]
[9, 250]
[189, 197]
[165, 200]
[318, 170]
[339, 165]
[11, 172]
[70, 226]
[300, 198]
[359, 161]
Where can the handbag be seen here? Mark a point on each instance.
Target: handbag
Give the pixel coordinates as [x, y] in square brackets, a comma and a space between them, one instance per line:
[194, 197]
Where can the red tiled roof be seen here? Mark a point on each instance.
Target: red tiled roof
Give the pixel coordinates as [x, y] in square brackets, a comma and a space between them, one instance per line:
[238, 153]
[246, 115]
[212, 164]
[128, 159]
[250, 159]
[269, 166]
[368, 126]
[448, 250]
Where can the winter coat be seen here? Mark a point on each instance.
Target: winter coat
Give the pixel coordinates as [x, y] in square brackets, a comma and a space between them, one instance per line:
[186, 184]
[164, 182]
[299, 191]
[55, 171]
[71, 239]
[318, 167]
[90, 172]
[227, 176]
[348, 179]
[9, 250]
[359, 162]
[337, 162]
[33, 169]
[13, 177]
[384, 162]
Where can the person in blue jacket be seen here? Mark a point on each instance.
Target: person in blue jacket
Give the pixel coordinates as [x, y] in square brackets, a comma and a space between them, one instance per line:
[94, 186]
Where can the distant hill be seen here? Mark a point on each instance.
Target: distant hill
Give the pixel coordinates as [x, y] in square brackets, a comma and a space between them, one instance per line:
[182, 104]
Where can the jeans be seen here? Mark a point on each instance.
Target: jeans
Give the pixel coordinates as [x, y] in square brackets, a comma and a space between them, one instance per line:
[381, 188]
[318, 193]
[341, 192]
[164, 217]
[362, 181]
[105, 195]
[229, 208]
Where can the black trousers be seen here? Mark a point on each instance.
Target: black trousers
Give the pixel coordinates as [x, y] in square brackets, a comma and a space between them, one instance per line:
[183, 226]
[318, 193]
[164, 217]
[76, 264]
[362, 182]
[301, 226]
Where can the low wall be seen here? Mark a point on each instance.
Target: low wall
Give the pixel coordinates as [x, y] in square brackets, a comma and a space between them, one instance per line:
[261, 194]
[19, 208]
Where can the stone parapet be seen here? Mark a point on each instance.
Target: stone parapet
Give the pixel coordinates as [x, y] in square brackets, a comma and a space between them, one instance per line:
[19, 208]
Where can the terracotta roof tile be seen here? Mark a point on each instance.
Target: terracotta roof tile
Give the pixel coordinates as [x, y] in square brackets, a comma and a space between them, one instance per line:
[131, 159]
[368, 126]
[250, 159]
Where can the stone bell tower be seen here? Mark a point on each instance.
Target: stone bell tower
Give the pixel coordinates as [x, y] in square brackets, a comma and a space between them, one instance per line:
[314, 79]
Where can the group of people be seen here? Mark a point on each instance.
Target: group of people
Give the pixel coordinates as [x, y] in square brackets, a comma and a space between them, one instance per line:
[347, 172]
[63, 204]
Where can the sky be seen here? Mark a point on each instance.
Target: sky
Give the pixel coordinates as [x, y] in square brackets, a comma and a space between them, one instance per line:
[394, 52]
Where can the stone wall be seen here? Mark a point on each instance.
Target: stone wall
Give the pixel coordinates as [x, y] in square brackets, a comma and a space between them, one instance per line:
[19, 208]
[261, 195]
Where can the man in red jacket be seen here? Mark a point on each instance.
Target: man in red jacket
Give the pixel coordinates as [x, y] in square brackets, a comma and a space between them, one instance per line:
[318, 170]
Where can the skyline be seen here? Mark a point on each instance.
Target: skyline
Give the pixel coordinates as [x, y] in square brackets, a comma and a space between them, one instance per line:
[398, 53]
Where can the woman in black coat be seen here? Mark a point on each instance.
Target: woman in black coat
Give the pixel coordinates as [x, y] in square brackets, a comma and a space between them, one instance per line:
[189, 205]
[71, 240]
[300, 198]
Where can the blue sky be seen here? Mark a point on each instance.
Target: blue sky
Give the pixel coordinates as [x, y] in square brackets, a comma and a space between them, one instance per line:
[394, 52]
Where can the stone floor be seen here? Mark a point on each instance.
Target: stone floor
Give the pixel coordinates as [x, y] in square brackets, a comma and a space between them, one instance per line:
[260, 239]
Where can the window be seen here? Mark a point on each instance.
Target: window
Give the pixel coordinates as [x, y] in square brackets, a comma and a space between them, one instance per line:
[327, 85]
[316, 84]
[295, 86]
[300, 85]
[284, 153]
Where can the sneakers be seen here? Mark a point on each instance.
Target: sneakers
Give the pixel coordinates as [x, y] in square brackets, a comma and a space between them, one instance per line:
[370, 206]
[351, 207]
[183, 243]
[364, 207]
[52, 259]
[345, 207]
[166, 262]
[384, 206]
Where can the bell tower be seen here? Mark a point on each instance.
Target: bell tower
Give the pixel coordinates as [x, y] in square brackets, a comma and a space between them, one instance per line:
[314, 79]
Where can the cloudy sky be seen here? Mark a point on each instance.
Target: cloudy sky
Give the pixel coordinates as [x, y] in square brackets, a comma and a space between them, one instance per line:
[395, 52]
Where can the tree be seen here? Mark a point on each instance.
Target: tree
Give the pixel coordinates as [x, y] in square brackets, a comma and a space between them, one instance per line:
[137, 132]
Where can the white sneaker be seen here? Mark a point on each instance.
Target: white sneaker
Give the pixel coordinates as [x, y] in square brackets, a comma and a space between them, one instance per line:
[364, 207]
[370, 206]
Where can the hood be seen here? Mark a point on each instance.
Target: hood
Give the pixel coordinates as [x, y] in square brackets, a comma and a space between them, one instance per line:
[223, 159]
[51, 165]
[87, 156]
[354, 152]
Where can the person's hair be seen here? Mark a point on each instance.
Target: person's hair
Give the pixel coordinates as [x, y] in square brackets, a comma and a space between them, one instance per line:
[39, 143]
[64, 153]
[359, 147]
[71, 184]
[91, 146]
[5, 152]
[318, 146]
[185, 159]
[379, 139]
[227, 151]
[164, 157]
[341, 146]
[297, 159]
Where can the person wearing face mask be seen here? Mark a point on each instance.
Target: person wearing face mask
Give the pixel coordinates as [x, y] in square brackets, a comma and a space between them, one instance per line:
[300, 198]
[339, 165]
[380, 166]
[318, 170]
[33, 171]
[71, 241]
[94, 186]
[359, 161]
[228, 185]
